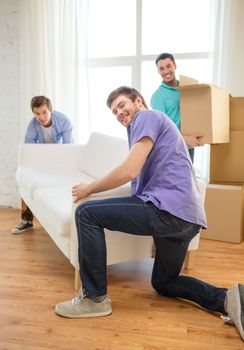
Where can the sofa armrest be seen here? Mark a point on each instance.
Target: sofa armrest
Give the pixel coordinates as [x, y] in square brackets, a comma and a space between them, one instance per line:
[123, 191]
[51, 156]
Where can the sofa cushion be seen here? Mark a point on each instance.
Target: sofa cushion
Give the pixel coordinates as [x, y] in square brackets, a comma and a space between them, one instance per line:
[102, 153]
[30, 178]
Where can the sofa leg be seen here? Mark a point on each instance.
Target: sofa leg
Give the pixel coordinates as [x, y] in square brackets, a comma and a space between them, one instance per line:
[77, 281]
[189, 260]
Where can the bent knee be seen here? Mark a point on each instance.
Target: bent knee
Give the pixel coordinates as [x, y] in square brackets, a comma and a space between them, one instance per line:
[161, 287]
[81, 210]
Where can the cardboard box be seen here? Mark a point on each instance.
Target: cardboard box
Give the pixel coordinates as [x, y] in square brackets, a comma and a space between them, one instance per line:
[204, 109]
[225, 212]
[237, 113]
[226, 164]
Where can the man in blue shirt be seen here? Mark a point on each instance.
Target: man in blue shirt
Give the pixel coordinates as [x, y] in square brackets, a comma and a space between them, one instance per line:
[47, 126]
[167, 97]
[165, 204]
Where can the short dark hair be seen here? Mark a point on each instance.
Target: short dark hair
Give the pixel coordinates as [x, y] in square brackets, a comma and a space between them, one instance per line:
[38, 101]
[127, 91]
[163, 56]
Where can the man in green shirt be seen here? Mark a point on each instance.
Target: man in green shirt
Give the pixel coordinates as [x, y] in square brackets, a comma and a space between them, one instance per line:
[167, 97]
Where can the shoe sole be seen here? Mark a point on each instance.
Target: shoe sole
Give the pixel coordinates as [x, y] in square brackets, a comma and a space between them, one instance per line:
[235, 311]
[95, 314]
[20, 231]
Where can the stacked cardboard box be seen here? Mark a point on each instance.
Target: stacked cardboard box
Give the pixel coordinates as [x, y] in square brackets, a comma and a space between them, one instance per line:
[208, 110]
[226, 165]
[224, 199]
[224, 206]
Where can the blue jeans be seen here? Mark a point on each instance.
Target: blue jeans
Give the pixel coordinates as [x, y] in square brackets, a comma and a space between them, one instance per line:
[171, 236]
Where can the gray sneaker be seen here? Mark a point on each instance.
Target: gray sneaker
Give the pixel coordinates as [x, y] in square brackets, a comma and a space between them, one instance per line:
[82, 306]
[23, 226]
[235, 307]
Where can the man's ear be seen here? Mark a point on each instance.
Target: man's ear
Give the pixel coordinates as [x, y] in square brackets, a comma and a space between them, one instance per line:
[139, 101]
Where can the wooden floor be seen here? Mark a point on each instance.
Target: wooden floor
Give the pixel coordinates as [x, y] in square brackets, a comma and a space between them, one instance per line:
[34, 276]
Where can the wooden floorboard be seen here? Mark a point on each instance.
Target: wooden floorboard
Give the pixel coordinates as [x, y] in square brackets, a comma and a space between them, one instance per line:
[34, 276]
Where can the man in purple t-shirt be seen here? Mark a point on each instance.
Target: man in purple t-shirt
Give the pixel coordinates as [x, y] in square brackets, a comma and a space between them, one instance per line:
[165, 204]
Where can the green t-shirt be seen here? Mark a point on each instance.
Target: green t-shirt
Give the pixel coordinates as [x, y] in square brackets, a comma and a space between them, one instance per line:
[167, 100]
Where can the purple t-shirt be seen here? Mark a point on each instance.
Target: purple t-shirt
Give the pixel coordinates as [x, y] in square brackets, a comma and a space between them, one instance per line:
[167, 178]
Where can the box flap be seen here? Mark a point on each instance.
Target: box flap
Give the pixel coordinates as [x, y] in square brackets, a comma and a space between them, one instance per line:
[201, 86]
[184, 80]
[194, 86]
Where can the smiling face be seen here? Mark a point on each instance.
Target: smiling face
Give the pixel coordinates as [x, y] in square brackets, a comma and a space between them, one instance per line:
[43, 115]
[166, 69]
[124, 109]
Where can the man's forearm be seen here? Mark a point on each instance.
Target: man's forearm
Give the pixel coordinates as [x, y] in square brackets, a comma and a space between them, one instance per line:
[117, 177]
[121, 175]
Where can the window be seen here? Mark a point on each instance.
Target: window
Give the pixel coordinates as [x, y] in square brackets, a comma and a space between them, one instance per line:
[102, 81]
[124, 37]
[111, 28]
[175, 26]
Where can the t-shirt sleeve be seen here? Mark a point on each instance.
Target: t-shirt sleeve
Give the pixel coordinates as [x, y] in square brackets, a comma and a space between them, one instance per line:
[67, 132]
[31, 135]
[145, 125]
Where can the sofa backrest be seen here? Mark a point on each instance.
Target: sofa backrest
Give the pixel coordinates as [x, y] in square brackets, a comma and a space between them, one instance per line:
[56, 157]
[102, 153]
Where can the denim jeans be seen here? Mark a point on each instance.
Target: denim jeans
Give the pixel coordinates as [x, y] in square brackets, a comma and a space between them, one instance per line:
[26, 214]
[191, 152]
[171, 236]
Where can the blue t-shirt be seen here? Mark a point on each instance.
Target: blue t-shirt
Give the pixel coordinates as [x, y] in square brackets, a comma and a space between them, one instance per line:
[167, 178]
[167, 100]
[62, 130]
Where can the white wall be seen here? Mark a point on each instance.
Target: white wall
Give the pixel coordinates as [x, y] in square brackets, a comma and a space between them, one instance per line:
[9, 101]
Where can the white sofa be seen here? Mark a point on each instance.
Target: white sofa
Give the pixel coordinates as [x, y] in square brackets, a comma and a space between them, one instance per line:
[45, 176]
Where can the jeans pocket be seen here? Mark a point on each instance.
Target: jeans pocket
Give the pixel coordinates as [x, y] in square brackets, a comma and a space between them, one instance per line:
[160, 222]
[166, 225]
